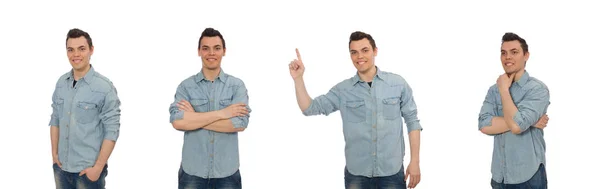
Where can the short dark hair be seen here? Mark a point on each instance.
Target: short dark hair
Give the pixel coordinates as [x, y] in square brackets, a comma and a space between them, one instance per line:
[211, 32]
[76, 33]
[358, 35]
[514, 37]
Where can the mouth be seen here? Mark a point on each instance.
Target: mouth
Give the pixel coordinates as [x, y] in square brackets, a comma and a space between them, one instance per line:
[77, 61]
[361, 62]
[509, 64]
[211, 59]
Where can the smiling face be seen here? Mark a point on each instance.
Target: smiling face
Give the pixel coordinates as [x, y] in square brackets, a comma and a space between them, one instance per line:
[513, 57]
[362, 55]
[211, 51]
[79, 53]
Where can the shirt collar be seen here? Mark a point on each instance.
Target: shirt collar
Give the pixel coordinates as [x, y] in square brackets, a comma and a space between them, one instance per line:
[356, 79]
[200, 76]
[87, 77]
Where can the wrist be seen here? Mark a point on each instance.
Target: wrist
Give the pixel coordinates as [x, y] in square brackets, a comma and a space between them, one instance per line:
[414, 161]
[299, 79]
[99, 165]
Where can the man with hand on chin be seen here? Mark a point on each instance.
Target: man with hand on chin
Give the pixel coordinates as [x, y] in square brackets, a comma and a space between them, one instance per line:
[85, 120]
[372, 105]
[514, 112]
[211, 107]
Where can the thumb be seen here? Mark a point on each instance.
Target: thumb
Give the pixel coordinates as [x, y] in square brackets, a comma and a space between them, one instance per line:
[59, 164]
[406, 176]
[83, 172]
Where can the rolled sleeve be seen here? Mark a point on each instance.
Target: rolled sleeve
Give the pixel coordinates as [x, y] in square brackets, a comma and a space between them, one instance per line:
[532, 108]
[408, 107]
[324, 104]
[241, 96]
[111, 115]
[180, 94]
[56, 102]
[487, 110]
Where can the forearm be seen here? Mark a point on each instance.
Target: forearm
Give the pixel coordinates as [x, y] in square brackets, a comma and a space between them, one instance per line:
[498, 126]
[54, 133]
[302, 96]
[105, 151]
[196, 120]
[415, 145]
[223, 126]
[509, 109]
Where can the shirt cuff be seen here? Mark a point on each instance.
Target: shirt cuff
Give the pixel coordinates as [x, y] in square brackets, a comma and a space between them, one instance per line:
[176, 116]
[415, 125]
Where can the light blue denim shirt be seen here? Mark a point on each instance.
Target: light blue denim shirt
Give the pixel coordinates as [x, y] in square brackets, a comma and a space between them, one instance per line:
[517, 157]
[372, 121]
[86, 115]
[210, 154]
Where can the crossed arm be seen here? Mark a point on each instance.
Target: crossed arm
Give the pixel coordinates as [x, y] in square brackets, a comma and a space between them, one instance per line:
[517, 117]
[233, 118]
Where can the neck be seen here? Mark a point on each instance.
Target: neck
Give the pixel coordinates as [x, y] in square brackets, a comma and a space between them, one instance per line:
[211, 74]
[368, 75]
[518, 75]
[78, 74]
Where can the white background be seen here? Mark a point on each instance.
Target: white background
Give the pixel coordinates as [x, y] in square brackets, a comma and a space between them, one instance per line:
[449, 52]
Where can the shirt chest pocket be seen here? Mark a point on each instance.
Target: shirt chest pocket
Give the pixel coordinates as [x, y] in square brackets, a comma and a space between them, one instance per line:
[224, 103]
[391, 108]
[200, 105]
[86, 112]
[356, 111]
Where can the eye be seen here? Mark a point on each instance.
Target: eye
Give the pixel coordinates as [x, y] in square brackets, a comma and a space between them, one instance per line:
[365, 50]
[503, 53]
[514, 52]
[204, 48]
[69, 50]
[353, 52]
[218, 48]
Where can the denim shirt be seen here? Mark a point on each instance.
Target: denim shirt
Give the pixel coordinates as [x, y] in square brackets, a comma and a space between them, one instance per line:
[517, 157]
[210, 154]
[86, 115]
[372, 121]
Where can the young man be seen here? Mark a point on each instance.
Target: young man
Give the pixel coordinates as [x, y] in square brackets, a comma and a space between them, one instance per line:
[84, 125]
[371, 104]
[211, 107]
[509, 113]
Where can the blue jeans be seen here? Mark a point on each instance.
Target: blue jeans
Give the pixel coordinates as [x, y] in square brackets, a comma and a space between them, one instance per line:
[538, 181]
[66, 180]
[187, 181]
[395, 181]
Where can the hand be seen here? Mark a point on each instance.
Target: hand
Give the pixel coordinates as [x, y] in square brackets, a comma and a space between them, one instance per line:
[233, 110]
[55, 160]
[504, 81]
[92, 173]
[541, 124]
[414, 172]
[185, 106]
[296, 67]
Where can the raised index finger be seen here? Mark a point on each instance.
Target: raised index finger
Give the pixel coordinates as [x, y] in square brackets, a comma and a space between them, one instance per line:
[298, 54]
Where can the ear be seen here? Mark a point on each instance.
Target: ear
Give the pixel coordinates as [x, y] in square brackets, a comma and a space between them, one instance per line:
[199, 53]
[375, 51]
[224, 51]
[91, 50]
[526, 56]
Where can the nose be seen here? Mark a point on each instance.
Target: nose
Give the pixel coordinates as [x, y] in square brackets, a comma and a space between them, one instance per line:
[211, 52]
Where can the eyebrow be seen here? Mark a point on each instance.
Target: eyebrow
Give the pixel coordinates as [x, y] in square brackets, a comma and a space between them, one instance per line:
[513, 49]
[77, 47]
[209, 46]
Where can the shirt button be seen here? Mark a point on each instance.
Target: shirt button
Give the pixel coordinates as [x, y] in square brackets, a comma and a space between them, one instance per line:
[69, 113]
[211, 155]
[373, 153]
[211, 100]
[212, 141]
[374, 126]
